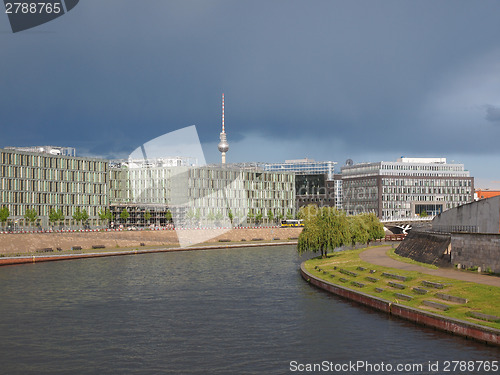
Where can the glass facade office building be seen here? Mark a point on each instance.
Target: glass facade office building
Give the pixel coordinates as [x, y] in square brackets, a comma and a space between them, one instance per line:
[316, 183]
[200, 193]
[303, 166]
[407, 188]
[40, 180]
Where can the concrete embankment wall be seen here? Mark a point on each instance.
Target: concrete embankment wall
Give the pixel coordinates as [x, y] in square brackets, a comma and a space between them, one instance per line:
[449, 249]
[450, 325]
[474, 249]
[11, 244]
[426, 247]
[481, 216]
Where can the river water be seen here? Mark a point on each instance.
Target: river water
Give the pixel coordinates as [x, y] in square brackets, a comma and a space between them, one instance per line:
[229, 311]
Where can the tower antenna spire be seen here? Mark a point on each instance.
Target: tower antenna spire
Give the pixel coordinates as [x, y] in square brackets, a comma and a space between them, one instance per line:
[223, 145]
[223, 113]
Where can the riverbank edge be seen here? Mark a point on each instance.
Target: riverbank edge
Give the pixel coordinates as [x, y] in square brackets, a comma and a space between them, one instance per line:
[7, 261]
[457, 327]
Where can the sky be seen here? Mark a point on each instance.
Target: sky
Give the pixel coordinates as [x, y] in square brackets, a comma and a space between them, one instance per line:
[328, 80]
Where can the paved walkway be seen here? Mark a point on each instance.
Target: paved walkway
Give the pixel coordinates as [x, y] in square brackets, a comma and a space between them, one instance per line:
[379, 257]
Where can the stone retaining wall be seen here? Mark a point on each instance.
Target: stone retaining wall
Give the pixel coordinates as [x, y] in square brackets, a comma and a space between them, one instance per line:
[11, 244]
[426, 247]
[476, 250]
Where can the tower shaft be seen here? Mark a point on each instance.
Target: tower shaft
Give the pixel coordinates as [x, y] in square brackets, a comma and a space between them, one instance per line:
[223, 145]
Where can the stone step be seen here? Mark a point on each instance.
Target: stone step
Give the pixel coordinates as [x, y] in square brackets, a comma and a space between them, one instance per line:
[394, 276]
[447, 297]
[403, 296]
[419, 291]
[436, 305]
[346, 272]
[432, 285]
[359, 285]
[396, 285]
[489, 318]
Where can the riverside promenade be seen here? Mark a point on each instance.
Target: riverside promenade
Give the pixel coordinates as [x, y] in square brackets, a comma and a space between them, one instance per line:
[379, 257]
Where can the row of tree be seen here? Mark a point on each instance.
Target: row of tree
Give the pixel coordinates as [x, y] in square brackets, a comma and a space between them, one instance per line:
[327, 228]
[55, 216]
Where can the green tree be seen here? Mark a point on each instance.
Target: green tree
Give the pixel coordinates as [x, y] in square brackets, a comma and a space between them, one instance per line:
[84, 216]
[250, 217]
[4, 214]
[31, 215]
[219, 217]
[230, 216]
[424, 213]
[358, 230]
[55, 216]
[78, 215]
[197, 216]
[105, 215]
[325, 229]
[147, 216]
[258, 218]
[270, 216]
[168, 216]
[289, 215]
[210, 216]
[189, 215]
[124, 215]
[375, 227]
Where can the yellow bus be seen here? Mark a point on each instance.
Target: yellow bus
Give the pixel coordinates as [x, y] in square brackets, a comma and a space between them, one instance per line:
[291, 223]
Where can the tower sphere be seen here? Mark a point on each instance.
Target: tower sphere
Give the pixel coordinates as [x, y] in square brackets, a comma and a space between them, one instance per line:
[223, 146]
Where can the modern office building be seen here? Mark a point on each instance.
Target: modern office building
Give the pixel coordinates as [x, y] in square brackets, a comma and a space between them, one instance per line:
[48, 177]
[304, 166]
[315, 181]
[197, 195]
[406, 188]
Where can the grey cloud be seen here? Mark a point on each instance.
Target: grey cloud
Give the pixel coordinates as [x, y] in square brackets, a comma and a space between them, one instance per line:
[493, 114]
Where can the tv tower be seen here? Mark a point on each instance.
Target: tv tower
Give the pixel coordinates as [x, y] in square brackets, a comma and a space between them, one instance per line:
[223, 145]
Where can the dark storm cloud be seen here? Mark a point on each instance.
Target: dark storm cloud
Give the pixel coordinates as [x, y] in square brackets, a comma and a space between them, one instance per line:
[493, 114]
[117, 73]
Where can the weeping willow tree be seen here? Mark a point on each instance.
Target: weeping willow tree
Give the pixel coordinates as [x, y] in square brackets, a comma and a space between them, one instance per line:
[325, 229]
[359, 230]
[375, 227]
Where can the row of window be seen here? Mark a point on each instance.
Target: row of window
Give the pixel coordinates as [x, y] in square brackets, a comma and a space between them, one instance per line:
[426, 190]
[53, 162]
[427, 182]
[20, 197]
[430, 167]
[51, 186]
[9, 171]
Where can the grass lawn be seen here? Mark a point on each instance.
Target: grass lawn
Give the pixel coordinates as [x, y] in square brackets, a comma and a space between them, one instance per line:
[481, 298]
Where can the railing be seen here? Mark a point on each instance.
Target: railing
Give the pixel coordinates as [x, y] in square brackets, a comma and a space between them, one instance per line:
[407, 219]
